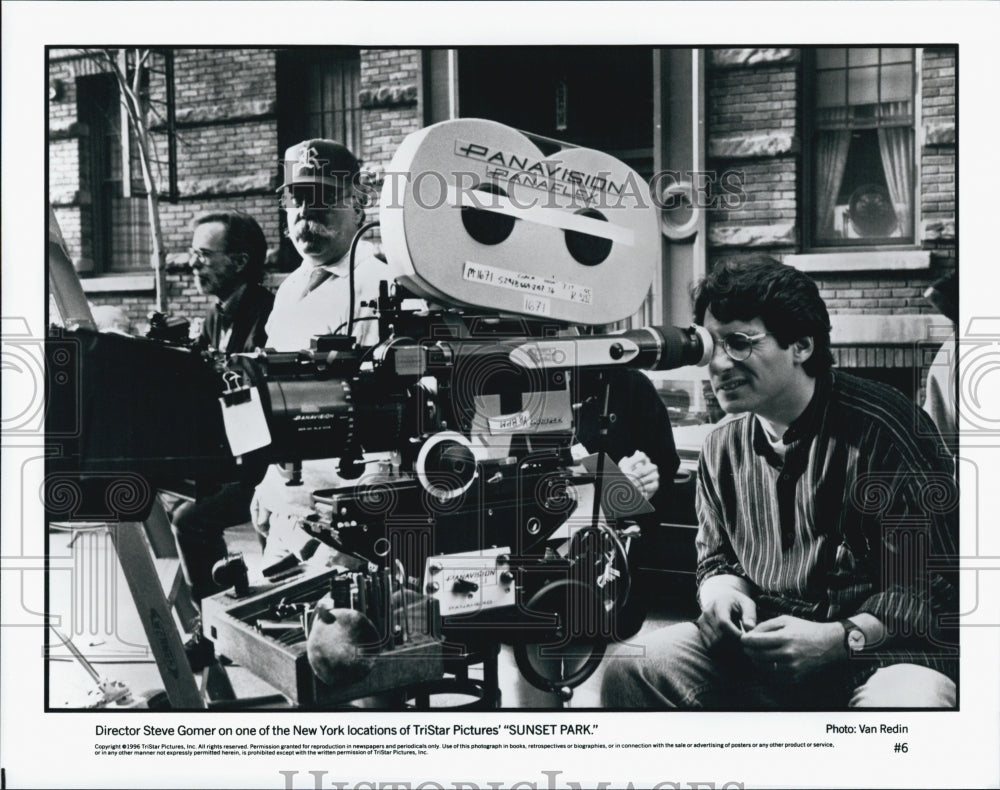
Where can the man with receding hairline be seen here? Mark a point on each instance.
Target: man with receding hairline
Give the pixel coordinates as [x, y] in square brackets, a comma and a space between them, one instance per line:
[227, 255]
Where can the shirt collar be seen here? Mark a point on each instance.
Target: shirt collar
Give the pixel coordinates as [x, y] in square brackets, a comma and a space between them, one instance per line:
[337, 268]
[226, 308]
[803, 427]
[807, 424]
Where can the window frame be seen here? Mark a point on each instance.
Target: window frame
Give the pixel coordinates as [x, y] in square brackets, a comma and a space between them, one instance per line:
[103, 160]
[293, 129]
[808, 129]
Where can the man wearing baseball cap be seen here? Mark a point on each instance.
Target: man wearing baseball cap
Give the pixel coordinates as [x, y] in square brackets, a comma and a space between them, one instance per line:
[323, 212]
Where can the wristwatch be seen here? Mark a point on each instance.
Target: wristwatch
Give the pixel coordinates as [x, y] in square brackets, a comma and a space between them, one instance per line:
[854, 637]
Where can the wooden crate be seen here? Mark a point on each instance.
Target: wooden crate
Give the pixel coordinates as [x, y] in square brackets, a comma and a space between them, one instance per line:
[229, 623]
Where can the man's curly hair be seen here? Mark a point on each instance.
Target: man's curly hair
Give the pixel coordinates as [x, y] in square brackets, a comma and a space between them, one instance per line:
[785, 299]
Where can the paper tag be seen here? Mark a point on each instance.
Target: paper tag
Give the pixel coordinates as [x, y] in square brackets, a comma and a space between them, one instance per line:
[527, 283]
[510, 423]
[246, 426]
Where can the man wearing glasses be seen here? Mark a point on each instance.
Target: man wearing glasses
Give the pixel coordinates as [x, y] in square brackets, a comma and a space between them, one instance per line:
[323, 211]
[227, 256]
[823, 560]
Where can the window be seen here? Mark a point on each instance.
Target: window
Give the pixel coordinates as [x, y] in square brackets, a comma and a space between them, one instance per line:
[861, 183]
[118, 231]
[318, 96]
[119, 228]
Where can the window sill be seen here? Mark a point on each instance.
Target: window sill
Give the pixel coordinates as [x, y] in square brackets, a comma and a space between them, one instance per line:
[884, 329]
[847, 261]
[116, 283]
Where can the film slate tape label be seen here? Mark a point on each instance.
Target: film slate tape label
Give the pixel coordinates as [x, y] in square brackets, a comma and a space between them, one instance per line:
[474, 213]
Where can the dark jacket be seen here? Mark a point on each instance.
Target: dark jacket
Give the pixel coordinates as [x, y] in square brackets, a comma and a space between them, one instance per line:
[249, 316]
[640, 423]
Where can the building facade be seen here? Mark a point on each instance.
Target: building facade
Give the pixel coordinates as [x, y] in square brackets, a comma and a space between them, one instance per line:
[840, 161]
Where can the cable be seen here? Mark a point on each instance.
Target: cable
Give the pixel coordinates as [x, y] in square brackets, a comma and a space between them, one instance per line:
[354, 246]
[369, 351]
[356, 320]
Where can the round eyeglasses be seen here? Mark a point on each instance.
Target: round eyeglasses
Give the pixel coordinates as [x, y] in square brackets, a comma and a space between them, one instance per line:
[198, 257]
[739, 345]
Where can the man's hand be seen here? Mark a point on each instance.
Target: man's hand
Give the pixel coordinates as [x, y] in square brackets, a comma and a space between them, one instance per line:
[792, 647]
[260, 516]
[643, 473]
[726, 610]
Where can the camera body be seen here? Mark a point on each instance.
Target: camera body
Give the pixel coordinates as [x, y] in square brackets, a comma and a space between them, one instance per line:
[465, 406]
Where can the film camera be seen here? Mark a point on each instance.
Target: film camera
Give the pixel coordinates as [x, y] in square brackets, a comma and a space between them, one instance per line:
[458, 516]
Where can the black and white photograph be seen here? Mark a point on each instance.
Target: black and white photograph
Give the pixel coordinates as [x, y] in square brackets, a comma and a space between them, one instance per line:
[435, 389]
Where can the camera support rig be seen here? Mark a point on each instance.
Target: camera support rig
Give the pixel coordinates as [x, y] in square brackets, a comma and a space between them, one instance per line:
[467, 512]
[469, 526]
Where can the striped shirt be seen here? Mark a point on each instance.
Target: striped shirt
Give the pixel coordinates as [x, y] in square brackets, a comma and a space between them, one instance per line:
[861, 515]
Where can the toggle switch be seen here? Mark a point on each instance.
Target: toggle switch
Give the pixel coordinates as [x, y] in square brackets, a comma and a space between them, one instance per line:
[464, 586]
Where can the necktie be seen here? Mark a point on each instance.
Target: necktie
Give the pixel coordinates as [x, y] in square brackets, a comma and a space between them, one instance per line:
[224, 313]
[223, 325]
[317, 277]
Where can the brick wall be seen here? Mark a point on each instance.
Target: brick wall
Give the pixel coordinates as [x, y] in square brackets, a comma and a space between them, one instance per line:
[753, 109]
[227, 150]
[208, 79]
[884, 292]
[751, 124]
[755, 98]
[386, 122]
[753, 102]
[227, 157]
[390, 80]
[66, 152]
[937, 161]
[770, 187]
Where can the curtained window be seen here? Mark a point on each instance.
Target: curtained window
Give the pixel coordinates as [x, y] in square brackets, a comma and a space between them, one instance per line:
[862, 146]
[318, 96]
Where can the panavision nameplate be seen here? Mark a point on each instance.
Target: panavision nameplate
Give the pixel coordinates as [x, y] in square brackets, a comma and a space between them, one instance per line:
[470, 583]
[473, 213]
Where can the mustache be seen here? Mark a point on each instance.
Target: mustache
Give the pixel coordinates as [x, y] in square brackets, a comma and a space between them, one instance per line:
[310, 230]
[718, 384]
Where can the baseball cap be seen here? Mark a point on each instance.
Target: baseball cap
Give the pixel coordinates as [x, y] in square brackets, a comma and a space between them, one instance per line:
[319, 161]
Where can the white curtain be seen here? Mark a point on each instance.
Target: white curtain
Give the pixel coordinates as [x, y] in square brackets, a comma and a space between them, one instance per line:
[895, 144]
[831, 157]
